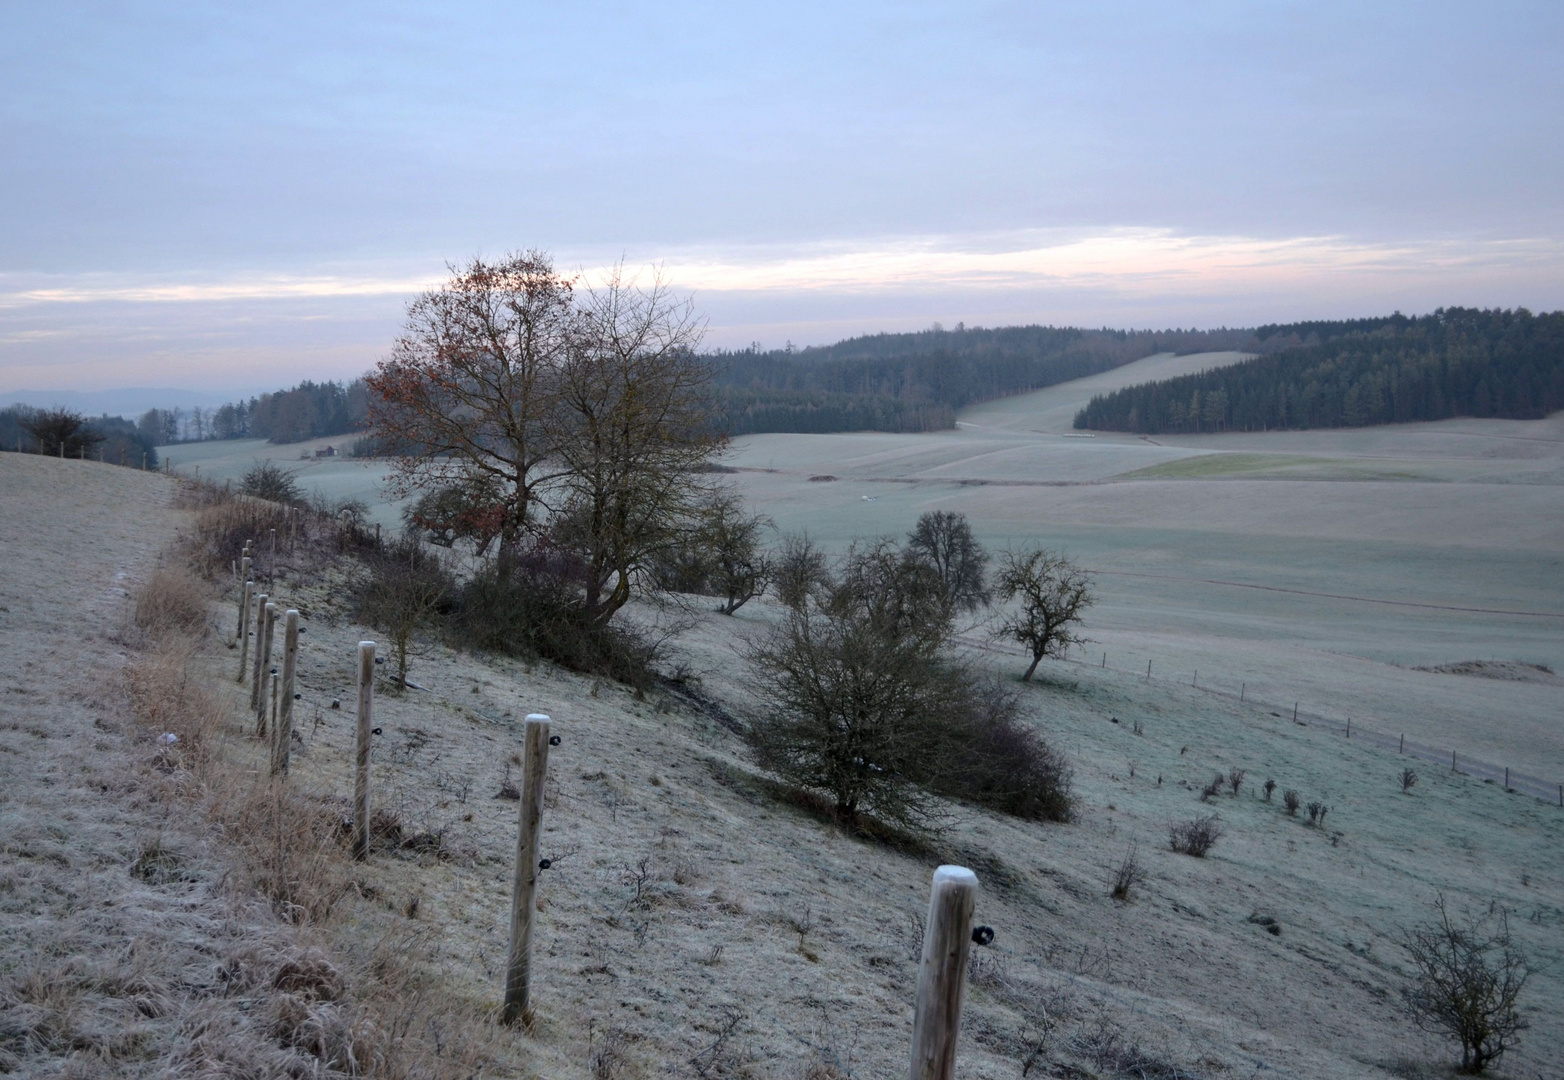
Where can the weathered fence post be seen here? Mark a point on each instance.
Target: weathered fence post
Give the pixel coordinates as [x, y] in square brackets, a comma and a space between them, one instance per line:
[1148, 670]
[366, 711]
[244, 600]
[1196, 680]
[244, 625]
[282, 733]
[1349, 727]
[264, 648]
[1241, 688]
[272, 577]
[272, 682]
[1452, 761]
[518, 969]
[1403, 747]
[1506, 778]
[942, 973]
[260, 632]
[1295, 712]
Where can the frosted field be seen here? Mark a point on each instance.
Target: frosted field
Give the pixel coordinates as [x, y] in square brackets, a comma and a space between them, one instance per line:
[1190, 535]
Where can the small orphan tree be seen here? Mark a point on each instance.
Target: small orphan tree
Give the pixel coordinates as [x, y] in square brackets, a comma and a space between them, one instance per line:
[720, 555]
[270, 481]
[407, 587]
[944, 540]
[1469, 974]
[798, 569]
[1052, 594]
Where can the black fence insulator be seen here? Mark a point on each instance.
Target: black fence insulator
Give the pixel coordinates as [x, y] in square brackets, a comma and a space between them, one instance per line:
[983, 935]
[553, 740]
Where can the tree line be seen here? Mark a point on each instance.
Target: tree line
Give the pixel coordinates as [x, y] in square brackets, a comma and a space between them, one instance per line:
[1455, 362]
[53, 431]
[917, 381]
[310, 410]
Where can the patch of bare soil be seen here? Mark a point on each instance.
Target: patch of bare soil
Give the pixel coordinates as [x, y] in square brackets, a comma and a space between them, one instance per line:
[1506, 670]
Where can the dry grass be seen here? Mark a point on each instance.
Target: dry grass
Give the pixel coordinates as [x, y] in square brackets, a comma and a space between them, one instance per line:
[359, 994]
[174, 601]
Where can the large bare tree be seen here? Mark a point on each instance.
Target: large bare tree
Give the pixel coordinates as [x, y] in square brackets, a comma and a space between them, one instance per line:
[635, 421]
[470, 393]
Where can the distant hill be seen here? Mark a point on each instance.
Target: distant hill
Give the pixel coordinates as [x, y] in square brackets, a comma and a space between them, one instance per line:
[1455, 362]
[917, 381]
[129, 402]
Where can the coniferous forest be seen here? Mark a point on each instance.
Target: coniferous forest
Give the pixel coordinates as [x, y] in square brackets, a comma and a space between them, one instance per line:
[1455, 362]
[917, 381]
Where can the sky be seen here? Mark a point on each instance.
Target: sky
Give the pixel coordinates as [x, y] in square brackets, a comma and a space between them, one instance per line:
[235, 197]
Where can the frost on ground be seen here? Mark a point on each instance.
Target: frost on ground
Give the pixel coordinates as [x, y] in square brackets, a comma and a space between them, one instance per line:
[690, 923]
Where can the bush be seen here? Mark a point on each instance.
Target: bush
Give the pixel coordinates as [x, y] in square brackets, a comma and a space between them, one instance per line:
[1270, 786]
[1129, 876]
[866, 707]
[994, 759]
[406, 589]
[1235, 780]
[529, 604]
[1291, 800]
[269, 481]
[1317, 812]
[1213, 789]
[1408, 779]
[1195, 837]
[1469, 976]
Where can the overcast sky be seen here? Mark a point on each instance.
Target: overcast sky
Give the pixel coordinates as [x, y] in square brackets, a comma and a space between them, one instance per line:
[227, 196]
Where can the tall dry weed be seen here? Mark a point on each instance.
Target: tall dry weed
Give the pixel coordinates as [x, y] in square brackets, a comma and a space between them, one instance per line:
[290, 843]
[168, 697]
[173, 602]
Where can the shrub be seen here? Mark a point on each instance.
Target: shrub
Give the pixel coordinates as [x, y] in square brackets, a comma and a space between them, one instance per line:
[1129, 876]
[1213, 789]
[406, 588]
[1317, 811]
[1235, 780]
[866, 707]
[267, 480]
[1195, 837]
[1270, 786]
[528, 603]
[1291, 800]
[993, 758]
[1469, 975]
[1408, 779]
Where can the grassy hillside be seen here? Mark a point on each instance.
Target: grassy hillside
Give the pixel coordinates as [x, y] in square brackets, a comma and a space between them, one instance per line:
[1455, 362]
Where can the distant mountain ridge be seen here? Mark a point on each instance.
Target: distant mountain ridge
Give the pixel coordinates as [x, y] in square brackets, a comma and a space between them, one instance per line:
[129, 402]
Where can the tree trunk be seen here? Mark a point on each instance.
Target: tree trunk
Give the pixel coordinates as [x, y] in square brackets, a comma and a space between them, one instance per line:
[1028, 676]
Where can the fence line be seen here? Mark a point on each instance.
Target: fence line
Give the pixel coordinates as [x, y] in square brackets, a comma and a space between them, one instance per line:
[1467, 765]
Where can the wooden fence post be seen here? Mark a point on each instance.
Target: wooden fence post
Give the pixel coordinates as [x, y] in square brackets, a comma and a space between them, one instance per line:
[1349, 727]
[1148, 670]
[244, 600]
[1452, 761]
[282, 731]
[272, 576]
[942, 973]
[244, 625]
[271, 681]
[264, 650]
[1403, 747]
[366, 711]
[260, 632]
[518, 969]
[1241, 688]
[1295, 712]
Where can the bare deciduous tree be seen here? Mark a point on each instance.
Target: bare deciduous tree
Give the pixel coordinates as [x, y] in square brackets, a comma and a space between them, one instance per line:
[406, 587]
[798, 570]
[1053, 593]
[722, 556]
[944, 540]
[1469, 975]
[471, 387]
[635, 423]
